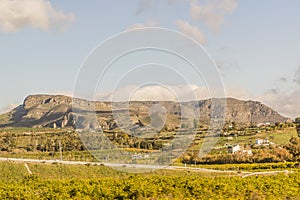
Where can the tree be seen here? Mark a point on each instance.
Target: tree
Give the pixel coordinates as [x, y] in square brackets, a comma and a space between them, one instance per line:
[294, 147]
[297, 122]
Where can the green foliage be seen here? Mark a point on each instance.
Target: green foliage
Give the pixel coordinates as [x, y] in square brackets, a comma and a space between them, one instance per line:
[45, 143]
[99, 182]
[297, 122]
[294, 147]
[156, 187]
[253, 167]
[10, 171]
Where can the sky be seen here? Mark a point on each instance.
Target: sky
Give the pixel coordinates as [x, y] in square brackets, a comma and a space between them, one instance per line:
[255, 45]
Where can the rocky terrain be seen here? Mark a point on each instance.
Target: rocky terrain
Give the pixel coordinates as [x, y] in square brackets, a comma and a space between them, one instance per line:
[59, 111]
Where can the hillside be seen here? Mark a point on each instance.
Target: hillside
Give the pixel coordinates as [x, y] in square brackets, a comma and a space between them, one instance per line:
[57, 111]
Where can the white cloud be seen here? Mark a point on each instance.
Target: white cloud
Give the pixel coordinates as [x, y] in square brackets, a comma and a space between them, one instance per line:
[212, 12]
[186, 92]
[190, 30]
[156, 93]
[62, 92]
[142, 25]
[287, 104]
[40, 14]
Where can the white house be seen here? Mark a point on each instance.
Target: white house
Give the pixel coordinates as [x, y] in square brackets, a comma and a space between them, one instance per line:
[234, 148]
[263, 124]
[261, 141]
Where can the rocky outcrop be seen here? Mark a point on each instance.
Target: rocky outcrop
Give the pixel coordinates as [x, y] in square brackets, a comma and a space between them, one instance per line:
[58, 111]
[39, 100]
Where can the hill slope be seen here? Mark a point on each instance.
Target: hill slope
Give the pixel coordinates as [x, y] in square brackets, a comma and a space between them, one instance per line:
[56, 111]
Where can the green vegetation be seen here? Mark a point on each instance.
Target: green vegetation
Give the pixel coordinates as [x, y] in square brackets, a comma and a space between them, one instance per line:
[45, 143]
[279, 148]
[14, 172]
[4, 118]
[11, 172]
[297, 122]
[57, 181]
[250, 167]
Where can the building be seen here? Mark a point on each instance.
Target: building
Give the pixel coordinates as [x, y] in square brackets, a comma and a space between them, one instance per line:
[263, 124]
[234, 148]
[261, 141]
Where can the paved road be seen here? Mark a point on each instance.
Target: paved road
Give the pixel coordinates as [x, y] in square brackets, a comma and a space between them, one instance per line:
[140, 166]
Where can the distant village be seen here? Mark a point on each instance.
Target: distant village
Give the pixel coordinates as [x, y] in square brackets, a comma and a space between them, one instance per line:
[238, 149]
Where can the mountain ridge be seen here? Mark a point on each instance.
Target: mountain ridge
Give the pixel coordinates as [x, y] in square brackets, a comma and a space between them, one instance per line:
[58, 111]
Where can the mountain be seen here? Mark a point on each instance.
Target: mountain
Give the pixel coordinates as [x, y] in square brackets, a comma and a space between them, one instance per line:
[62, 111]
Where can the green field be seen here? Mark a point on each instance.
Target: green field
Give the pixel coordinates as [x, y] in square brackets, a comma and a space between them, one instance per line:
[280, 137]
[43, 143]
[57, 181]
[231, 181]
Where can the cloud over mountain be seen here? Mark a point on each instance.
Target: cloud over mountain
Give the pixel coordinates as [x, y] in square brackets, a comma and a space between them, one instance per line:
[7, 108]
[142, 25]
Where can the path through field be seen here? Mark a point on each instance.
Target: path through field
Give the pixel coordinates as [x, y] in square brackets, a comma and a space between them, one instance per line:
[141, 166]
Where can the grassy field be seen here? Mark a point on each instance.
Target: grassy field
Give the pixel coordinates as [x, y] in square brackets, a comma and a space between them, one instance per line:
[280, 137]
[14, 171]
[57, 181]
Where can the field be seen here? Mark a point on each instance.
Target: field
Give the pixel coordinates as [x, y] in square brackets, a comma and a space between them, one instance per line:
[185, 180]
[44, 143]
[57, 181]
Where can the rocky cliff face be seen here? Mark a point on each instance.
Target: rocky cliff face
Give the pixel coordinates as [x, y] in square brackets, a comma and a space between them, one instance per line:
[57, 111]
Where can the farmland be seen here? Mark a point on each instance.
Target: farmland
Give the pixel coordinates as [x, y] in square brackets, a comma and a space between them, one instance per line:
[189, 177]
[56, 181]
[48, 143]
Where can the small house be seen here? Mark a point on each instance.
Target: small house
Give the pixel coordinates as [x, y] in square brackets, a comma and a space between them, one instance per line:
[234, 148]
[263, 124]
[261, 141]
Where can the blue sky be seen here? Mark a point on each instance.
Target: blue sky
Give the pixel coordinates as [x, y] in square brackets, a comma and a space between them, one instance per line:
[256, 47]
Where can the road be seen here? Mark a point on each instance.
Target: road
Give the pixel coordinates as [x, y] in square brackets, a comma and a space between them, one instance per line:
[141, 166]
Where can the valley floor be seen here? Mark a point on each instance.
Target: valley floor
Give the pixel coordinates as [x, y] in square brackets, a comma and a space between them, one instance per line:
[52, 164]
[55, 180]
